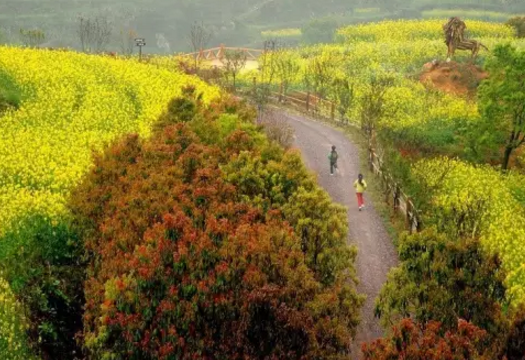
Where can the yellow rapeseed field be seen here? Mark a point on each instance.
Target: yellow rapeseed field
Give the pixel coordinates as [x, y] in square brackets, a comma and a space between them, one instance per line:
[399, 49]
[409, 30]
[500, 217]
[75, 103]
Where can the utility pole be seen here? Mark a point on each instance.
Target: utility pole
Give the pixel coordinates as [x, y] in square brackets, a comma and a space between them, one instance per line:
[140, 42]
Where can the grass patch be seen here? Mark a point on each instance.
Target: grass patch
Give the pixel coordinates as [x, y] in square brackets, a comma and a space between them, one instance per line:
[491, 16]
[367, 10]
[10, 94]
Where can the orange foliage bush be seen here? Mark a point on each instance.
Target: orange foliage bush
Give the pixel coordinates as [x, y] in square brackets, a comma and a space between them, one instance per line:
[182, 266]
[416, 342]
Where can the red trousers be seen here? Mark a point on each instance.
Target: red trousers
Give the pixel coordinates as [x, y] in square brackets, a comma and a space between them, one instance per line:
[360, 200]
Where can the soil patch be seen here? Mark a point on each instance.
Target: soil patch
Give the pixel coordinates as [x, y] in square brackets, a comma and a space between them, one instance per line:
[453, 77]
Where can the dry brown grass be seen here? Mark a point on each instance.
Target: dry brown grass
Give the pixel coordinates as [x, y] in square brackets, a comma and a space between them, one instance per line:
[276, 128]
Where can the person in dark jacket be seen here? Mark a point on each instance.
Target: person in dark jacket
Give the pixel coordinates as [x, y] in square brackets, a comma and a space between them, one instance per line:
[333, 160]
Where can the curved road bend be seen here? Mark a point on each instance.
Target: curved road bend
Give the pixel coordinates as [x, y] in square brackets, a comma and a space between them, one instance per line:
[376, 253]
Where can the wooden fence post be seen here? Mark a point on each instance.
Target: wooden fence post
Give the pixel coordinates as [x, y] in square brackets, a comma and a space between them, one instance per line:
[221, 52]
[418, 224]
[396, 196]
[386, 184]
[307, 101]
[408, 220]
[371, 158]
[254, 86]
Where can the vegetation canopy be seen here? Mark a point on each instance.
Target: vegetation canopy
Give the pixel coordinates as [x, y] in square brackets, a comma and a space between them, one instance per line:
[184, 262]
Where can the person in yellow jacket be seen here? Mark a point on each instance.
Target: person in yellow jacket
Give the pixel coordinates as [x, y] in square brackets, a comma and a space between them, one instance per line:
[360, 187]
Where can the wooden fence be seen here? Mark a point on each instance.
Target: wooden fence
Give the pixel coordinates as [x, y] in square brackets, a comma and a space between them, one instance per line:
[316, 107]
[393, 194]
[218, 53]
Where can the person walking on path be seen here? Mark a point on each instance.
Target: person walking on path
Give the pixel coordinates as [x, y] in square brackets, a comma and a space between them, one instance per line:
[333, 160]
[360, 187]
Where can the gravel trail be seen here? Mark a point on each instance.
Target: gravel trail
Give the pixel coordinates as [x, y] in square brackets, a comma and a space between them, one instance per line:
[376, 253]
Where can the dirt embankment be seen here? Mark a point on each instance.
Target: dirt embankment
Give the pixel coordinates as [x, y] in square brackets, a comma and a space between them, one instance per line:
[453, 77]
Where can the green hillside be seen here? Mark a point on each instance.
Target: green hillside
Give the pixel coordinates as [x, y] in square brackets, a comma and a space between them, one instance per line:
[165, 24]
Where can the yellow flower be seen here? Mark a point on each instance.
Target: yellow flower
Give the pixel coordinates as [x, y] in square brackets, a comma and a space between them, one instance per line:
[73, 103]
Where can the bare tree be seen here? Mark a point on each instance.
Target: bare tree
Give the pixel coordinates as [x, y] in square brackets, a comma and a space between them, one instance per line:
[199, 37]
[233, 62]
[126, 41]
[277, 129]
[6, 35]
[94, 34]
[268, 61]
[286, 68]
[32, 38]
[125, 37]
[267, 71]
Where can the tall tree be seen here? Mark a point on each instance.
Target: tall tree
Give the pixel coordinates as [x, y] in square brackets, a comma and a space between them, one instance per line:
[94, 33]
[286, 67]
[127, 41]
[344, 96]
[502, 101]
[267, 71]
[199, 37]
[234, 61]
[321, 71]
[32, 38]
[374, 104]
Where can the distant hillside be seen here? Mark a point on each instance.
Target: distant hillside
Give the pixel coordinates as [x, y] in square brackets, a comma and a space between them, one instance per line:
[165, 23]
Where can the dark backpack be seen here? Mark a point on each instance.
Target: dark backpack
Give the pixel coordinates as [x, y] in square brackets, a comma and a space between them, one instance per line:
[333, 156]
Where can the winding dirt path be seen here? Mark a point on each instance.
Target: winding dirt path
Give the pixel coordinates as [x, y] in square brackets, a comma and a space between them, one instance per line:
[376, 253]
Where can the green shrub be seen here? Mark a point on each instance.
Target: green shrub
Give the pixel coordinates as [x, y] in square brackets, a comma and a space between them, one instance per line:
[217, 130]
[10, 95]
[434, 136]
[445, 279]
[515, 181]
[484, 15]
[319, 31]
[518, 23]
[514, 343]
[285, 37]
[414, 341]
[13, 326]
[41, 260]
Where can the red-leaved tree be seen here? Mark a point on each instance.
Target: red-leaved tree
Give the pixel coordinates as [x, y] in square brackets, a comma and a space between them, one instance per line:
[182, 267]
[412, 341]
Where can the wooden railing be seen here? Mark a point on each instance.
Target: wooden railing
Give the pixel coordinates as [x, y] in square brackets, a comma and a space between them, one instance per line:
[316, 107]
[394, 195]
[218, 53]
